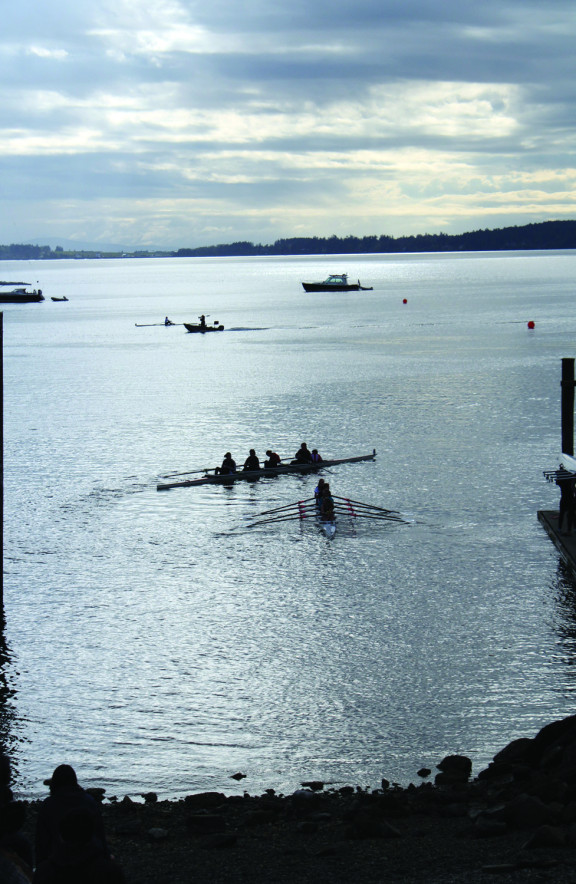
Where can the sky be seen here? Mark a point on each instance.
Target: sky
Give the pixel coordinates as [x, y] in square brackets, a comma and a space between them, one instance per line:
[183, 123]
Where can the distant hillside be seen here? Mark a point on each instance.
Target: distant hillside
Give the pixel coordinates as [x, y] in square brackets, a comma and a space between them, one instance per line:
[545, 235]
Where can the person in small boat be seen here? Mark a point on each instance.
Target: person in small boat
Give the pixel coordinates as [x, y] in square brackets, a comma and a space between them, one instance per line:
[316, 458]
[228, 466]
[168, 321]
[252, 462]
[318, 492]
[326, 504]
[202, 321]
[303, 455]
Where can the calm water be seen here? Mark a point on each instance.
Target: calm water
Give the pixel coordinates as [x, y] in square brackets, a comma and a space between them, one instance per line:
[155, 642]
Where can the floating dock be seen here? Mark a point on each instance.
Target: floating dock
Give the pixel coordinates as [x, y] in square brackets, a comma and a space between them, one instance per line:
[565, 542]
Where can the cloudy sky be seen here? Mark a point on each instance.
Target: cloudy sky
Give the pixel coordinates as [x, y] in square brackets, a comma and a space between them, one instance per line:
[189, 122]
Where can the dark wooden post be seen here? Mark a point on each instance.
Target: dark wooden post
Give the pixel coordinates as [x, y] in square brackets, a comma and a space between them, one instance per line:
[1, 467]
[567, 385]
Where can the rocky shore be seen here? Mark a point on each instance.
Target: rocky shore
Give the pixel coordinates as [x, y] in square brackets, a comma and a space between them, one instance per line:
[515, 822]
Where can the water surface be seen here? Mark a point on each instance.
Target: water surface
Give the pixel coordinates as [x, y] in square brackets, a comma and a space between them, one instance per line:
[154, 641]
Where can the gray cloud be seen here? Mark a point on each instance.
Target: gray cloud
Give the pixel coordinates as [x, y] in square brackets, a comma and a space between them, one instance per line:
[283, 119]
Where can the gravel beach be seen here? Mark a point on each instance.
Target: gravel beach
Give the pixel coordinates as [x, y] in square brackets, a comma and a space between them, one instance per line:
[516, 822]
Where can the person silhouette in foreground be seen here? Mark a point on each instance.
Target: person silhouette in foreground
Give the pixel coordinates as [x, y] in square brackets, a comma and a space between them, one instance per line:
[66, 796]
[78, 856]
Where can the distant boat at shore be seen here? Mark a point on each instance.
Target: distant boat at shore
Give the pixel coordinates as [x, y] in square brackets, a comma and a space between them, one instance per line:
[20, 295]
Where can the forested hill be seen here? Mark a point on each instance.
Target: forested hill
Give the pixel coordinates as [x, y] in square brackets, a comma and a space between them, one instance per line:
[545, 235]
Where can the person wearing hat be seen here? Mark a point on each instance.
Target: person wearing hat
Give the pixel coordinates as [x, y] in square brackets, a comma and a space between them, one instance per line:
[66, 796]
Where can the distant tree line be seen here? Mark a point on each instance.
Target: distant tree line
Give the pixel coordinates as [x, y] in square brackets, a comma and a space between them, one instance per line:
[544, 235]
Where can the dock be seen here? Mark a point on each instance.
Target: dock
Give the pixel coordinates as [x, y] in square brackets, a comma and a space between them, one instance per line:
[565, 542]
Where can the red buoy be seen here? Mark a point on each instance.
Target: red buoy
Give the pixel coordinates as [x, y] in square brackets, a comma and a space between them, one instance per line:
[405, 300]
[531, 324]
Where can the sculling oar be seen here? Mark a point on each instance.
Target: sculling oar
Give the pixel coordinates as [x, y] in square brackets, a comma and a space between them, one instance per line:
[368, 513]
[367, 505]
[189, 473]
[379, 517]
[280, 508]
[293, 517]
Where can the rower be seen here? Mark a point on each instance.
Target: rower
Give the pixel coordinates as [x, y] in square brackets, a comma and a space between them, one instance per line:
[228, 466]
[273, 460]
[316, 458]
[168, 321]
[252, 462]
[326, 505]
[318, 492]
[303, 455]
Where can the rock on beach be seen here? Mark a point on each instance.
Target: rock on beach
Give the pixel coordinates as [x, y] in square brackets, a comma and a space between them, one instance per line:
[514, 822]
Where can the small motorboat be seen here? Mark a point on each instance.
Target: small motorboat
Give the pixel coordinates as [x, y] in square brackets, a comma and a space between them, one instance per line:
[336, 282]
[59, 299]
[201, 329]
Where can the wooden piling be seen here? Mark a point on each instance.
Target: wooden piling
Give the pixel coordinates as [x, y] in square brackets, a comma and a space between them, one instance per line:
[565, 541]
[1, 468]
[567, 384]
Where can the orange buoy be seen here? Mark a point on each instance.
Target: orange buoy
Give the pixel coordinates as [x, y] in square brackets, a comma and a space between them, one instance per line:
[531, 324]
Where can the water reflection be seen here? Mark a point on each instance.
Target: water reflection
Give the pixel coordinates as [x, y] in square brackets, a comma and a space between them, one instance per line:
[564, 624]
[8, 739]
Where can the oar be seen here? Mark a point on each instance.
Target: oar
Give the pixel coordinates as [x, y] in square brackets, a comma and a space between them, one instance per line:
[367, 505]
[285, 518]
[189, 473]
[379, 517]
[280, 508]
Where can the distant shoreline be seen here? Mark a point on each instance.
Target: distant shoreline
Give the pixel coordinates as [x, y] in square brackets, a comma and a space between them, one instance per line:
[542, 236]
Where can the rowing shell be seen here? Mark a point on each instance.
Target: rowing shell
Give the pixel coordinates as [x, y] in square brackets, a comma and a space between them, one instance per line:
[252, 475]
[327, 528]
[343, 507]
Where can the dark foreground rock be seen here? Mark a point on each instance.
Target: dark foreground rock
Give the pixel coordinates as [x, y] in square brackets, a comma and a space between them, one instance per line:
[516, 822]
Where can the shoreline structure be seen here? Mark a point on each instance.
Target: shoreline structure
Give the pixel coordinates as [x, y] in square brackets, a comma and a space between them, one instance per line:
[515, 821]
